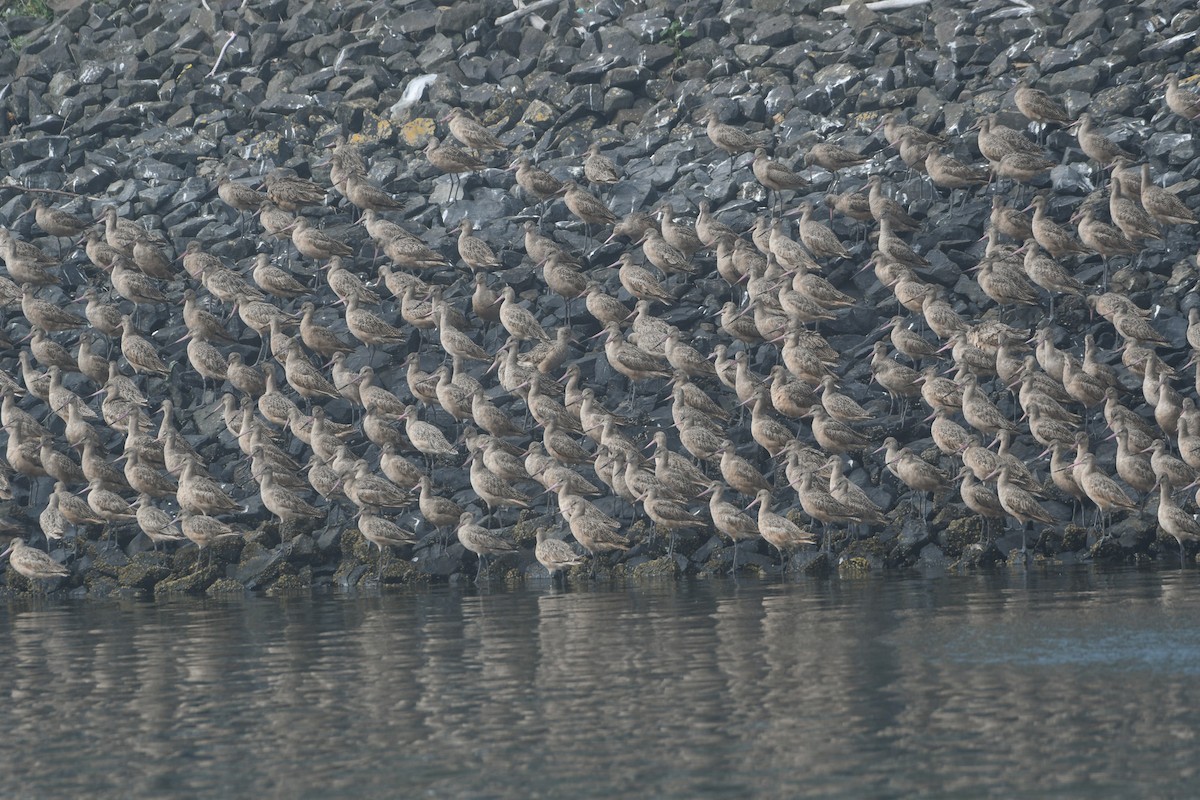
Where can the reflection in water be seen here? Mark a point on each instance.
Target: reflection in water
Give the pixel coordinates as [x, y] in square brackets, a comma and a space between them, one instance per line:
[1072, 684]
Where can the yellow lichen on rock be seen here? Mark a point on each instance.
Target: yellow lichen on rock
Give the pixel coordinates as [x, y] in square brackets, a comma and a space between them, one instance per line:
[416, 132]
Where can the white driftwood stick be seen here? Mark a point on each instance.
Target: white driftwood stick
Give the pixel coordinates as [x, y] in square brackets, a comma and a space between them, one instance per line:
[879, 5]
[524, 10]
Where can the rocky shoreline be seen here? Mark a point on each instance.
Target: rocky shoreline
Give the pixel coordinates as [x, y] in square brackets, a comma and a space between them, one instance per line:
[142, 106]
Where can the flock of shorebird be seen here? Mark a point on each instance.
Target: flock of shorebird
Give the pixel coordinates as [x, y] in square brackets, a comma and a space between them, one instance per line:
[571, 445]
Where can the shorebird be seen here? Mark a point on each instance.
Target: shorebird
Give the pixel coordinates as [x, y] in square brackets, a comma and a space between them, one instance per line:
[598, 168]
[205, 531]
[833, 158]
[774, 175]
[451, 160]
[913, 471]
[33, 564]
[1096, 145]
[1039, 107]
[480, 541]
[780, 532]
[555, 554]
[290, 192]
[728, 138]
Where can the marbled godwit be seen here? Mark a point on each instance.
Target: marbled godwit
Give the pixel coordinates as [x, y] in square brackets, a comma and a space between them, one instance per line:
[46, 315]
[1181, 101]
[587, 207]
[480, 541]
[107, 504]
[791, 397]
[536, 182]
[780, 532]
[821, 506]
[632, 362]
[1009, 221]
[898, 381]
[56, 221]
[519, 322]
[702, 443]
[1168, 468]
[913, 471]
[156, 524]
[119, 233]
[1133, 467]
[774, 175]
[895, 127]
[426, 438]
[834, 436]
[833, 158]
[99, 252]
[276, 223]
[789, 253]
[27, 263]
[1054, 239]
[664, 256]
[367, 490]
[290, 192]
[665, 512]
[540, 249]
[908, 341]
[203, 324]
[1163, 205]
[205, 531]
[139, 352]
[595, 531]
[50, 353]
[1135, 223]
[949, 437]
[1039, 107]
[282, 501]
[728, 138]
[709, 228]
[474, 251]
[198, 494]
[470, 132]
[369, 328]
[997, 141]
[555, 554]
[1102, 490]
[145, 479]
[366, 195]
[275, 281]
[912, 153]
[246, 379]
[840, 406]
[451, 160]
[883, 207]
[1048, 273]
[1018, 503]
[74, 509]
[51, 521]
[382, 533]
[848, 493]
[238, 196]
[598, 168]
[851, 203]
[948, 172]
[316, 243]
[739, 473]
[1096, 145]
[939, 393]
[818, 238]
[150, 259]
[33, 564]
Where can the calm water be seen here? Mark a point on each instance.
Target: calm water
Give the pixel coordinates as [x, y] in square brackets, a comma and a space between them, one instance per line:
[1064, 684]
